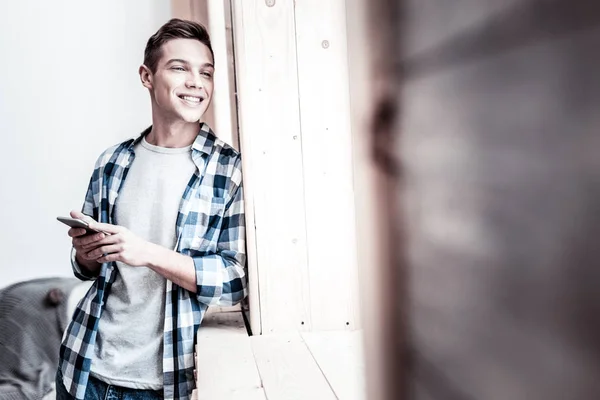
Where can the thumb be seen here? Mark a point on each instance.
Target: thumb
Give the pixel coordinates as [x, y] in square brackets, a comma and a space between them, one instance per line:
[79, 215]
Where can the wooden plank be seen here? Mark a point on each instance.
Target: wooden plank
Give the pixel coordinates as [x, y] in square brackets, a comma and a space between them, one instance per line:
[226, 369]
[225, 363]
[270, 140]
[222, 324]
[253, 298]
[327, 154]
[339, 355]
[218, 309]
[287, 368]
[223, 102]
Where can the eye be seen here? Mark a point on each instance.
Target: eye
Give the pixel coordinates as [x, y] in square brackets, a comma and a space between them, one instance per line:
[178, 68]
[207, 74]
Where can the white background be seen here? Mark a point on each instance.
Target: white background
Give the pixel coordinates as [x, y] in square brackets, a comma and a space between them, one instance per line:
[69, 88]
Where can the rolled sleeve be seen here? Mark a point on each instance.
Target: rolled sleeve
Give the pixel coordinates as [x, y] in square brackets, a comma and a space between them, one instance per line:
[221, 277]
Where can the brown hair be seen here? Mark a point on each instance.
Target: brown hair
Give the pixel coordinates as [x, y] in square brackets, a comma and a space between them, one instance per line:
[174, 29]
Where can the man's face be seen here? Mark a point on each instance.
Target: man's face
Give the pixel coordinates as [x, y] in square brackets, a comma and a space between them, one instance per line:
[182, 85]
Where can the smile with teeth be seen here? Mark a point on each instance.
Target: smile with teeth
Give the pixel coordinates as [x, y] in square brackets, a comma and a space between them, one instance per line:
[191, 99]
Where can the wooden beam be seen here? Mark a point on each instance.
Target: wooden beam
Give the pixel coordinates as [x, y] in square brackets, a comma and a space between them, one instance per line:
[323, 83]
[238, 41]
[269, 118]
[223, 103]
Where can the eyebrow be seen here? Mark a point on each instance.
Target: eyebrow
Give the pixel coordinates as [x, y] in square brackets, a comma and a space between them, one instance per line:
[179, 60]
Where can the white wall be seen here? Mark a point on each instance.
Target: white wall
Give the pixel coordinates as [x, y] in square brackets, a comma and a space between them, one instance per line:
[68, 89]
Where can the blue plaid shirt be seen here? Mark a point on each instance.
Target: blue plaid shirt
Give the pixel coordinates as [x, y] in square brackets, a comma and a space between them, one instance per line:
[210, 229]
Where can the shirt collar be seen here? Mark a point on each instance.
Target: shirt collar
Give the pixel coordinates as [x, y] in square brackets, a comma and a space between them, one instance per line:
[204, 142]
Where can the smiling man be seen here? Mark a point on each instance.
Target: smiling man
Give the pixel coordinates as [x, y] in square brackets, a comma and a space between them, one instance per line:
[169, 204]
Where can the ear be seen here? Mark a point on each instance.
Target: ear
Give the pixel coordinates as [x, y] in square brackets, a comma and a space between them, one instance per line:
[145, 76]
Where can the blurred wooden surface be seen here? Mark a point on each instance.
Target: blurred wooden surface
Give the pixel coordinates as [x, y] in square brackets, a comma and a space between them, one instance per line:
[491, 137]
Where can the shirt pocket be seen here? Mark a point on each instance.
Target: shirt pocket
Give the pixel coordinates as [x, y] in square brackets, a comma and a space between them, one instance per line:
[203, 223]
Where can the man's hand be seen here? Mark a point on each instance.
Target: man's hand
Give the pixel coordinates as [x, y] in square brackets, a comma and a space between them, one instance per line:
[84, 242]
[119, 244]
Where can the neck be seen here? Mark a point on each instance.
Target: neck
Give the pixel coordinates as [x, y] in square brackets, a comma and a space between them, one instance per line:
[172, 134]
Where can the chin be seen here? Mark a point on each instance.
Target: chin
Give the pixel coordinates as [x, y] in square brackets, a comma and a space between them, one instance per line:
[191, 118]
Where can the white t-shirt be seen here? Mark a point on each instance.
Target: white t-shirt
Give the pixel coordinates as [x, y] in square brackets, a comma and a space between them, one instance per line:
[129, 345]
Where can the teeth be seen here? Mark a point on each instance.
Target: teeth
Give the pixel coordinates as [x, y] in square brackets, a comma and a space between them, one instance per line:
[194, 99]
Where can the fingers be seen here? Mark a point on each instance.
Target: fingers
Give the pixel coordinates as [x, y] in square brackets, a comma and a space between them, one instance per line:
[109, 258]
[76, 232]
[87, 240]
[98, 245]
[80, 215]
[75, 214]
[107, 228]
[109, 239]
[94, 253]
[100, 251]
[84, 255]
[103, 241]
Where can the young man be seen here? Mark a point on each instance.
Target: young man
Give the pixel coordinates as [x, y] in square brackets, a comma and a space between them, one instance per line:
[170, 209]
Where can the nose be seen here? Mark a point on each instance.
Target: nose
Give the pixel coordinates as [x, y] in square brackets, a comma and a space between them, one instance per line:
[194, 81]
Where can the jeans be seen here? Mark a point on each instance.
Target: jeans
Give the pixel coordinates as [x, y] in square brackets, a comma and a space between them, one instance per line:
[98, 390]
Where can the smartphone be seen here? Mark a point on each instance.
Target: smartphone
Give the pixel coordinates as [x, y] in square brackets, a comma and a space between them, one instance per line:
[76, 223]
